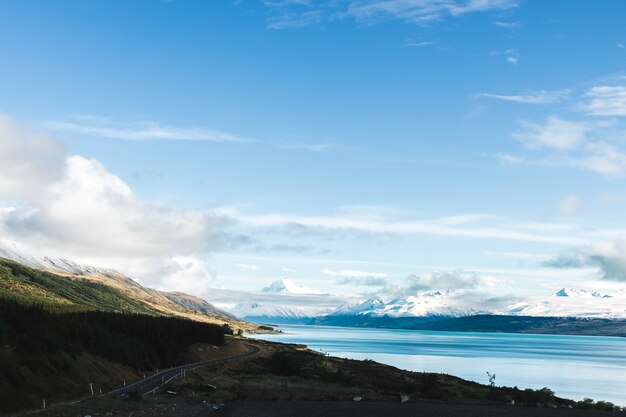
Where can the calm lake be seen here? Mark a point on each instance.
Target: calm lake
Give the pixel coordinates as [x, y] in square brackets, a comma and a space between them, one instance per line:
[573, 366]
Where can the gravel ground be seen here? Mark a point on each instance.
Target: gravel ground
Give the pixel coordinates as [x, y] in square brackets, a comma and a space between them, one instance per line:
[195, 408]
[378, 409]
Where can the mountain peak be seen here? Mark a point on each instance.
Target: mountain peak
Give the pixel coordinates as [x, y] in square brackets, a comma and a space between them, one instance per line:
[577, 292]
[287, 286]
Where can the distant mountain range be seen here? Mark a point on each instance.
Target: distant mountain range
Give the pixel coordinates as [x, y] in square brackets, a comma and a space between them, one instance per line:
[423, 309]
[279, 313]
[433, 306]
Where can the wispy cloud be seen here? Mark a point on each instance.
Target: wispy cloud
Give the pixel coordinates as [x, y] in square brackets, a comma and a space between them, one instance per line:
[510, 25]
[301, 13]
[532, 97]
[149, 130]
[141, 130]
[311, 147]
[250, 267]
[417, 44]
[602, 159]
[492, 228]
[606, 101]
[592, 141]
[421, 11]
[351, 273]
[555, 133]
[511, 56]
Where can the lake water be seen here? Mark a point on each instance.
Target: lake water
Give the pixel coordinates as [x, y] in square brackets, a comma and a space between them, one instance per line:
[573, 366]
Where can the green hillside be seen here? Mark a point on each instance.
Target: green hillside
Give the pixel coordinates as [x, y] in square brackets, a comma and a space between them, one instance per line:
[19, 282]
[58, 334]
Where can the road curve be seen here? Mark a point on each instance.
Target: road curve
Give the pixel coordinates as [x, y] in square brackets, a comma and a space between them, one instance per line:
[152, 382]
[159, 379]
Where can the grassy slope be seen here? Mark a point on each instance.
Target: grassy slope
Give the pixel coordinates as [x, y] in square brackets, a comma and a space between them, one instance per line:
[59, 333]
[29, 285]
[294, 373]
[115, 293]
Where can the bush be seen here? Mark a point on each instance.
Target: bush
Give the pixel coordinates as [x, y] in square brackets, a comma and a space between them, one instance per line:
[284, 363]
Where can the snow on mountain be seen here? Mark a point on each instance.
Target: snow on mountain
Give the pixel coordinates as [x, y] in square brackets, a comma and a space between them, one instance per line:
[422, 304]
[281, 311]
[267, 311]
[163, 301]
[287, 286]
[569, 302]
[577, 292]
[365, 307]
[15, 253]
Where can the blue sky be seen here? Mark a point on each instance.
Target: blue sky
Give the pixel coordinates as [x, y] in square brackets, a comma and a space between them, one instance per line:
[330, 142]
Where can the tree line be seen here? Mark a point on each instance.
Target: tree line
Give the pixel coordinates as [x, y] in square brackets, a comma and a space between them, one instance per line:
[136, 340]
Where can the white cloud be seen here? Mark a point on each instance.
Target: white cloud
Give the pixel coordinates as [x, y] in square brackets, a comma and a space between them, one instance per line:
[508, 24]
[608, 255]
[513, 60]
[443, 280]
[603, 159]
[91, 210]
[417, 44]
[29, 161]
[350, 273]
[84, 212]
[141, 130]
[364, 281]
[532, 97]
[570, 205]
[606, 101]
[187, 274]
[556, 133]
[250, 267]
[587, 144]
[292, 20]
[288, 270]
[600, 159]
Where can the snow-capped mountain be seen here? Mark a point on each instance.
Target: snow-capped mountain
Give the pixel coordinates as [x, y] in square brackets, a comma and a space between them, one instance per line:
[13, 252]
[285, 309]
[570, 302]
[266, 313]
[567, 302]
[287, 286]
[577, 292]
[364, 307]
[421, 304]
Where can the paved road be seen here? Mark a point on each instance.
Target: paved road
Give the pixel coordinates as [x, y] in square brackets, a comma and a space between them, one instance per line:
[155, 381]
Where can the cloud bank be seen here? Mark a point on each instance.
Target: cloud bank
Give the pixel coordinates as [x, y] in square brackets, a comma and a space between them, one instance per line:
[58, 204]
[608, 256]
